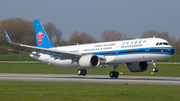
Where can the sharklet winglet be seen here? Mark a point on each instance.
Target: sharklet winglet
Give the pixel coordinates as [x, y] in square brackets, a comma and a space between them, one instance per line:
[7, 36]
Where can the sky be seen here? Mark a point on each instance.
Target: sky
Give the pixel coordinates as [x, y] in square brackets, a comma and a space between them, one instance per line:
[131, 17]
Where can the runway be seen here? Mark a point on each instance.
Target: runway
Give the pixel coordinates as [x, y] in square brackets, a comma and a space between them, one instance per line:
[90, 78]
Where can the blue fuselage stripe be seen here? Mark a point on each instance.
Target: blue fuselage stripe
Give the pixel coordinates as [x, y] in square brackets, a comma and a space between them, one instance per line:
[151, 50]
[165, 51]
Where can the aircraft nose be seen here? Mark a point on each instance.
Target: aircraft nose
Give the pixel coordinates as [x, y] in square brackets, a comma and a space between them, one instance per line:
[172, 50]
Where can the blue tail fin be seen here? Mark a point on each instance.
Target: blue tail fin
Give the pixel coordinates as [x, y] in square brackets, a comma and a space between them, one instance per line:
[42, 39]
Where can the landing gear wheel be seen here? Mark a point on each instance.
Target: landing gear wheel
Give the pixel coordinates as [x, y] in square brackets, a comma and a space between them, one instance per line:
[114, 74]
[111, 74]
[84, 72]
[155, 69]
[79, 72]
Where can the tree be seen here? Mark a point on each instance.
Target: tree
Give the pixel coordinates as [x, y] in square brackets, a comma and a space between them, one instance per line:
[165, 35]
[22, 31]
[61, 43]
[3, 49]
[111, 35]
[86, 38]
[54, 34]
[178, 45]
[150, 33]
[80, 38]
[19, 31]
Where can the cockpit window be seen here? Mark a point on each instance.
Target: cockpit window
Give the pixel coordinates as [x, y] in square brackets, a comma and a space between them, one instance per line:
[164, 43]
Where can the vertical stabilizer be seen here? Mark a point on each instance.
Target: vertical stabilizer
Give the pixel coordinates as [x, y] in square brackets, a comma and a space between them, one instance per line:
[42, 39]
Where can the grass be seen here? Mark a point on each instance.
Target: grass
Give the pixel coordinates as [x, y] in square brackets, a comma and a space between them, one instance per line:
[62, 91]
[44, 68]
[16, 57]
[59, 91]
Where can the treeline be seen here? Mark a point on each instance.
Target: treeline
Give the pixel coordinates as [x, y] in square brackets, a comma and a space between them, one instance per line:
[22, 31]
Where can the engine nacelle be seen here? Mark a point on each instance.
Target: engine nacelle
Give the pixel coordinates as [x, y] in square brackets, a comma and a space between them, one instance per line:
[138, 66]
[89, 61]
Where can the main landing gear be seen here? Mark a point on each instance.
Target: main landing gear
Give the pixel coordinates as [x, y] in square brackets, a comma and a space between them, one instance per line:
[81, 72]
[154, 69]
[114, 73]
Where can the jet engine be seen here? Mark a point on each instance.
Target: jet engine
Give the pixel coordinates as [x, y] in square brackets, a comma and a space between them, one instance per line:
[138, 66]
[89, 61]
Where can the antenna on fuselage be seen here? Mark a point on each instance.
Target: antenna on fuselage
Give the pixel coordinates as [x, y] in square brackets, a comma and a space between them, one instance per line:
[154, 36]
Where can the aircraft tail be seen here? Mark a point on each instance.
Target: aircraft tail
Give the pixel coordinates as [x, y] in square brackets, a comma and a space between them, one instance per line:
[42, 39]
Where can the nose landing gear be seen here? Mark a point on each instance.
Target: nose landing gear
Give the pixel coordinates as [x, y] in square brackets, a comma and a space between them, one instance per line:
[154, 69]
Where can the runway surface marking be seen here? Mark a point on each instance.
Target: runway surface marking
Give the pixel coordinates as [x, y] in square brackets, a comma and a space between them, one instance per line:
[91, 78]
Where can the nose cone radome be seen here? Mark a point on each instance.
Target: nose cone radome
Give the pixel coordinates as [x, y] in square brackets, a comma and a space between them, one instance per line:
[172, 50]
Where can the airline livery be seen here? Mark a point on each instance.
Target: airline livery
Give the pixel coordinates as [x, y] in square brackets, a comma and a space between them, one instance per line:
[135, 53]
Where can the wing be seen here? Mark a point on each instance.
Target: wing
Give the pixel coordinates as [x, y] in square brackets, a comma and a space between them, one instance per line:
[50, 51]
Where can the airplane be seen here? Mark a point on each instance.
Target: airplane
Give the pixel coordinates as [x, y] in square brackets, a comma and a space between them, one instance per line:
[134, 53]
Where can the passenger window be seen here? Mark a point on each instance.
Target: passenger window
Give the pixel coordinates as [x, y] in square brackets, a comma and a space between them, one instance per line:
[131, 42]
[135, 42]
[127, 43]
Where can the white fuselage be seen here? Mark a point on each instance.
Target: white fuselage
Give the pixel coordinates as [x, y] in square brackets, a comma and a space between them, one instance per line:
[115, 52]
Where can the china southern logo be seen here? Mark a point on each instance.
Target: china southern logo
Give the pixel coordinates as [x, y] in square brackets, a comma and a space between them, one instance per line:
[39, 36]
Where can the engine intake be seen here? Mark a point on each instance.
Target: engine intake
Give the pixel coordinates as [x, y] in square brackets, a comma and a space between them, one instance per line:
[138, 66]
[89, 61]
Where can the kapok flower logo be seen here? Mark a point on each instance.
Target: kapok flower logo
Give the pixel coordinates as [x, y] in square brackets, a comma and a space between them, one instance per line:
[39, 36]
